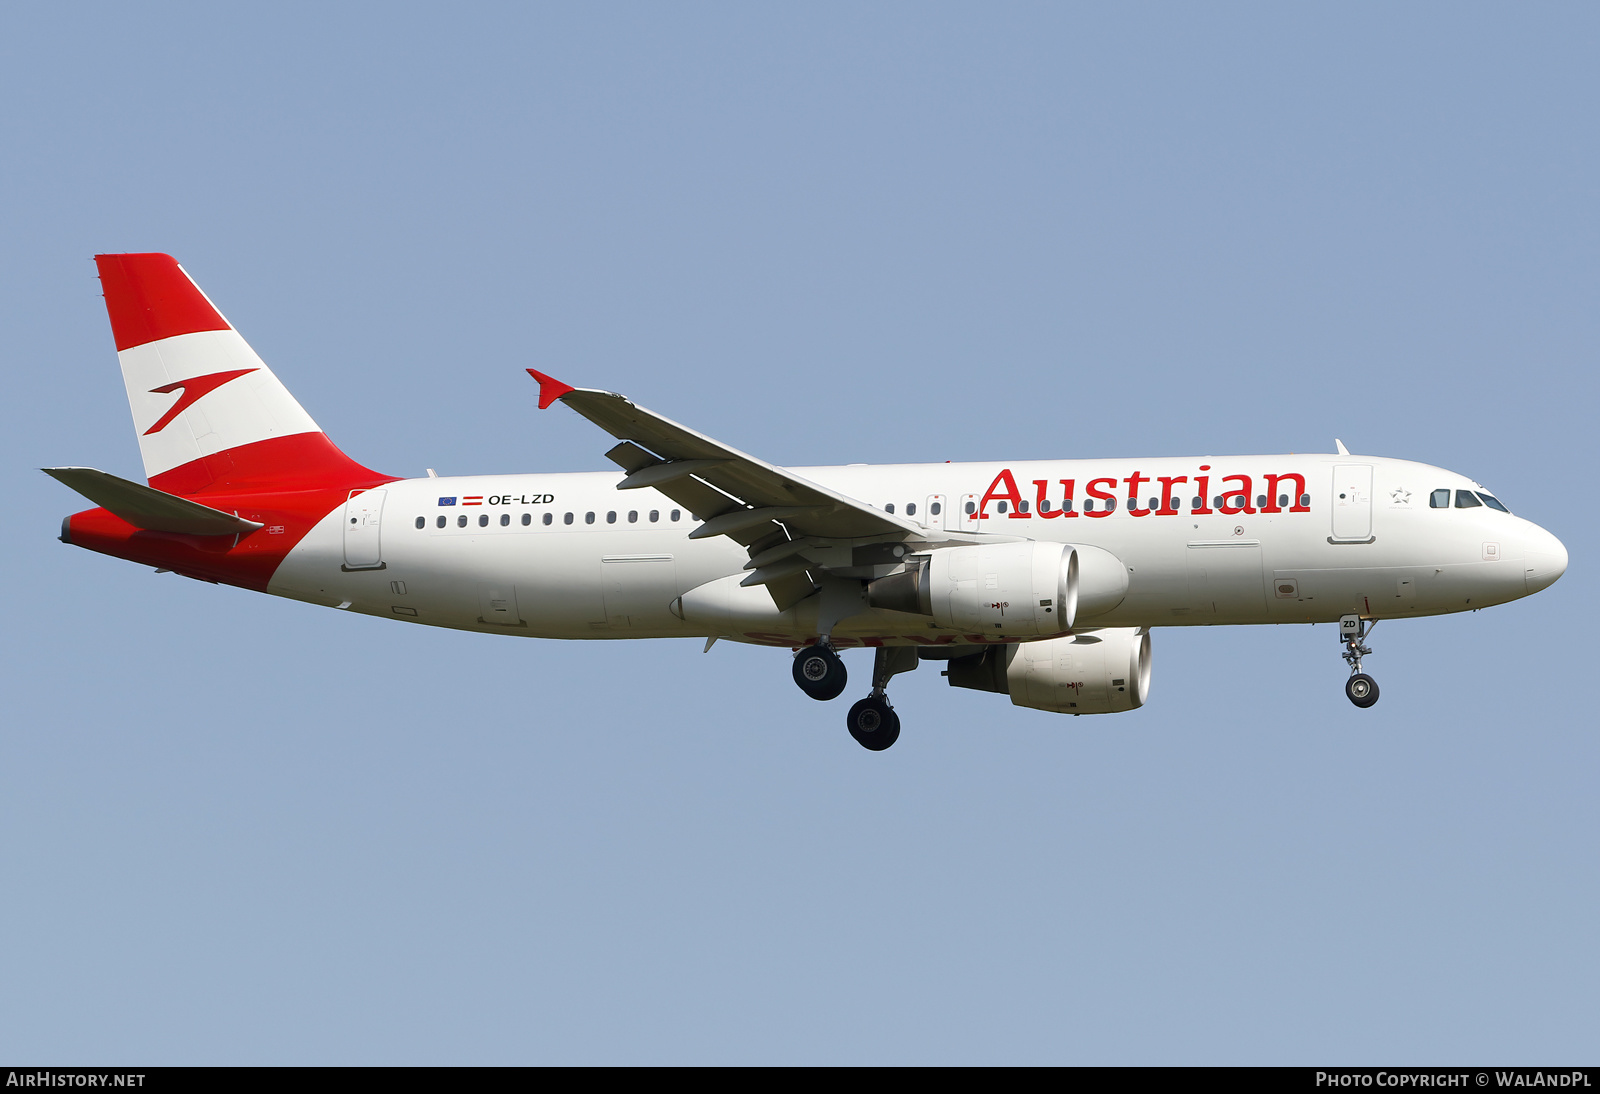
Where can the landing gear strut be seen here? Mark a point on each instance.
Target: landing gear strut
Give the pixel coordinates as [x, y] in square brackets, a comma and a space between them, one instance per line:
[872, 721]
[1361, 689]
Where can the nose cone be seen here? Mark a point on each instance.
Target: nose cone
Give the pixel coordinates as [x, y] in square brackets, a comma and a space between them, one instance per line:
[1545, 560]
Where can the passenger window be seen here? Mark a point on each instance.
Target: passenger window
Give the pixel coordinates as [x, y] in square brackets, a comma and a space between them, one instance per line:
[1216, 502]
[527, 519]
[971, 507]
[422, 522]
[1283, 500]
[483, 520]
[1154, 503]
[441, 522]
[1066, 506]
[567, 519]
[889, 508]
[611, 517]
[911, 508]
[1305, 499]
[1001, 506]
[935, 508]
[549, 518]
[1492, 502]
[676, 514]
[633, 516]
[1111, 505]
[1466, 500]
[1261, 501]
[1088, 505]
[655, 515]
[1439, 499]
[461, 521]
[588, 518]
[505, 520]
[1044, 506]
[1022, 507]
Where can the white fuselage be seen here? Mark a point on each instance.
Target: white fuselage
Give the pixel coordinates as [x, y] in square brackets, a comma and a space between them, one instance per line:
[570, 556]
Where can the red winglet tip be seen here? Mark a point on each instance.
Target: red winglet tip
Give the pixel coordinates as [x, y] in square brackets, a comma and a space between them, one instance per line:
[550, 389]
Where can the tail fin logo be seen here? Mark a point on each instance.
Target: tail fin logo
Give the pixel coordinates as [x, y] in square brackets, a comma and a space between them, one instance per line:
[194, 389]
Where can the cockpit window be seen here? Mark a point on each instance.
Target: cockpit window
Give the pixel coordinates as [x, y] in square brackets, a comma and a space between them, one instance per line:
[1492, 502]
[1439, 499]
[1466, 499]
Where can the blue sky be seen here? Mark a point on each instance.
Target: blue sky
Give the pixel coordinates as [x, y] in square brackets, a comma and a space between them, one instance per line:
[242, 830]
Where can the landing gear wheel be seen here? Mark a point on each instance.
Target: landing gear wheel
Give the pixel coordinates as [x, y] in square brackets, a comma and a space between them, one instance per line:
[1362, 690]
[819, 672]
[873, 723]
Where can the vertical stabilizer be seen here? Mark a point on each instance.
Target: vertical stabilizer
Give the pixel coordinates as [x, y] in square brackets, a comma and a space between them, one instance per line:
[209, 413]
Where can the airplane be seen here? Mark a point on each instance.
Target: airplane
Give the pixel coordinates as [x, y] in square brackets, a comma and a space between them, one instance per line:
[1038, 580]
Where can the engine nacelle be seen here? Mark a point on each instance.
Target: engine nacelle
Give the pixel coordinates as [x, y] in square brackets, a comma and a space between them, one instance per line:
[1022, 588]
[1097, 672]
[1102, 581]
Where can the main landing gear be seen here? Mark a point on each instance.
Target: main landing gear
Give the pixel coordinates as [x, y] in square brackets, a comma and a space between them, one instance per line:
[872, 721]
[1361, 689]
[819, 672]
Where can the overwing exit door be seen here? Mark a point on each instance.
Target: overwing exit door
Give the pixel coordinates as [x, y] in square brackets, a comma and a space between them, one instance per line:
[363, 523]
[968, 517]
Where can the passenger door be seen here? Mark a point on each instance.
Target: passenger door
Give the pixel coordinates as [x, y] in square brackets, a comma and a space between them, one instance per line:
[1352, 503]
[363, 523]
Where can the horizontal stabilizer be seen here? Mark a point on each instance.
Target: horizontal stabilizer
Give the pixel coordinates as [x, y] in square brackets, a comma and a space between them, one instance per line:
[148, 508]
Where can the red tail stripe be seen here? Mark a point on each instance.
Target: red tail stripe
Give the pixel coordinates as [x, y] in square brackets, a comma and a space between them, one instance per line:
[150, 298]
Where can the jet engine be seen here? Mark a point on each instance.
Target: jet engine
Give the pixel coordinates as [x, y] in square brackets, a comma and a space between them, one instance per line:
[1095, 672]
[1025, 587]
[1020, 588]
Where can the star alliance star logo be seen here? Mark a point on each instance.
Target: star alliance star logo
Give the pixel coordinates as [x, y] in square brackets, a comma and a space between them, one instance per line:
[1401, 496]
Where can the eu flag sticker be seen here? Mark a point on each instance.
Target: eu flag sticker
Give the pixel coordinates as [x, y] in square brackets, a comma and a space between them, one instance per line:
[447, 501]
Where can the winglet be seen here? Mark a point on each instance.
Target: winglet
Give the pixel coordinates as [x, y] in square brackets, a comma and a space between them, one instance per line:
[550, 389]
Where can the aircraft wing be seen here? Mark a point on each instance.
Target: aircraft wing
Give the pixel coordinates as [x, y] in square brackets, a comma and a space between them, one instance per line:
[730, 492]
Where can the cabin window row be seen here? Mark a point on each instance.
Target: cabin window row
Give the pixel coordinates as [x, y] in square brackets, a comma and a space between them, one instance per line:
[462, 520]
[934, 508]
[1107, 506]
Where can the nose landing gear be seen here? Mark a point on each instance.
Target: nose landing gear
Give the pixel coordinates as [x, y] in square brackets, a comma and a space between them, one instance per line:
[1360, 689]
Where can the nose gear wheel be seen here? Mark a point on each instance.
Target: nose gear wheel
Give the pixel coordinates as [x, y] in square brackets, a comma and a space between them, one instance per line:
[1361, 689]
